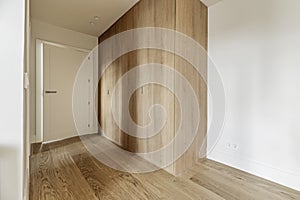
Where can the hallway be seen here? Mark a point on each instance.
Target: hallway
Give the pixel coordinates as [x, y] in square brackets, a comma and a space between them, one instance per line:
[66, 170]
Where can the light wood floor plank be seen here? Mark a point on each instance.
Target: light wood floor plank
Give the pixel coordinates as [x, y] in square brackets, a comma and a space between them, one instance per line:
[66, 170]
[55, 176]
[249, 179]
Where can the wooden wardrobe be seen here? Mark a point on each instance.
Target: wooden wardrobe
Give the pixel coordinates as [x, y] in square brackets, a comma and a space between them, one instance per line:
[185, 16]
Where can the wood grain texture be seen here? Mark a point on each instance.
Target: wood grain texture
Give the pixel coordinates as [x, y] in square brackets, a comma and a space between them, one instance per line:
[188, 17]
[55, 178]
[231, 183]
[192, 20]
[146, 13]
[69, 171]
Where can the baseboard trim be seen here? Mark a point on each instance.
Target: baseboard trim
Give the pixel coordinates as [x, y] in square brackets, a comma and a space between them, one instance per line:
[40, 146]
[282, 177]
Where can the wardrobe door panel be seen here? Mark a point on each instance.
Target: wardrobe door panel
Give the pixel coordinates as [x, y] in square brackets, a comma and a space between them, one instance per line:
[191, 19]
[156, 13]
[107, 82]
[188, 17]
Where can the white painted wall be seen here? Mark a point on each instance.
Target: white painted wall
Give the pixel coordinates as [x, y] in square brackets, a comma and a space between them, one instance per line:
[12, 18]
[51, 33]
[256, 47]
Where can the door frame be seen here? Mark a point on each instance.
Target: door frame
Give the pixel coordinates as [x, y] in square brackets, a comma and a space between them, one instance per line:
[39, 136]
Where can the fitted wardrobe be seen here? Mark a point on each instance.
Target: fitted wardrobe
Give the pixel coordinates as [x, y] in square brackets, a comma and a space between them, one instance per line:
[185, 16]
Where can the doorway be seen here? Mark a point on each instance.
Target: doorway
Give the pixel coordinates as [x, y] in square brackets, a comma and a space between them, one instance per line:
[56, 69]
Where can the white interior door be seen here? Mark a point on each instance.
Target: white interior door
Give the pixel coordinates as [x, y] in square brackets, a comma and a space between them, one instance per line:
[60, 68]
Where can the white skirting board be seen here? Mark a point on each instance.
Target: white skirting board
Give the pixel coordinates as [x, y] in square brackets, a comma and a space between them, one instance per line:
[280, 176]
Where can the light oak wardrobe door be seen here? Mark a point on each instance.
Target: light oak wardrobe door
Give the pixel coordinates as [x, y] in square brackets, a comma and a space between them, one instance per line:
[191, 19]
[148, 13]
[155, 13]
[124, 64]
[107, 83]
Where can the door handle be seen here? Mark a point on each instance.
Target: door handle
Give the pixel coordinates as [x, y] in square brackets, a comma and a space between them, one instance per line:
[50, 92]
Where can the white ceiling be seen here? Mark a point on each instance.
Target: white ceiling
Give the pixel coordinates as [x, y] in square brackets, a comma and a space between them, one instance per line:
[77, 14]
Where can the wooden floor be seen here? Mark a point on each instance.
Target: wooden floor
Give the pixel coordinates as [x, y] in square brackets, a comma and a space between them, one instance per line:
[65, 170]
